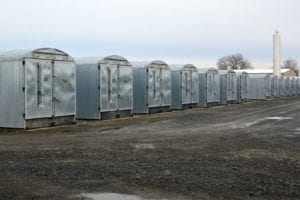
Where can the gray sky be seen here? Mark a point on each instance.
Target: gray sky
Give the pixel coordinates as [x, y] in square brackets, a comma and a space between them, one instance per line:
[177, 31]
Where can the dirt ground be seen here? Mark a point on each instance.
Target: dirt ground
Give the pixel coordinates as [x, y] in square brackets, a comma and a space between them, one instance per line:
[242, 151]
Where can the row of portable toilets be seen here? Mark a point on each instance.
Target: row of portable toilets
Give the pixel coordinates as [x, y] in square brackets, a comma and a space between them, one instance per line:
[46, 86]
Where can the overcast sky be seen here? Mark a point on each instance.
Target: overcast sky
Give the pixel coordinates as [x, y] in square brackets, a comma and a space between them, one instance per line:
[176, 31]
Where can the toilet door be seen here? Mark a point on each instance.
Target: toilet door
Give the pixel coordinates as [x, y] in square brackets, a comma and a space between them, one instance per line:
[65, 88]
[38, 88]
[187, 87]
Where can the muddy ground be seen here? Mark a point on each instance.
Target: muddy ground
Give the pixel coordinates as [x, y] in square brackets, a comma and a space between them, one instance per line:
[244, 151]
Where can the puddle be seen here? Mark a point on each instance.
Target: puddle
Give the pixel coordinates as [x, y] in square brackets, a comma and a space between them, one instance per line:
[278, 118]
[144, 146]
[114, 196]
[248, 124]
[245, 124]
[110, 196]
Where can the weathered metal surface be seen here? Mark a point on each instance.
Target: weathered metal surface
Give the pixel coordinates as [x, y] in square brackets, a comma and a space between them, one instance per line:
[140, 90]
[242, 86]
[287, 86]
[156, 82]
[275, 86]
[209, 87]
[281, 86]
[12, 99]
[65, 88]
[112, 76]
[38, 100]
[228, 86]
[87, 86]
[260, 87]
[185, 86]
[30, 80]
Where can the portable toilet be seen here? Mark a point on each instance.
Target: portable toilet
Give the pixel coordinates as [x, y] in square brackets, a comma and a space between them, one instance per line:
[184, 86]
[228, 87]
[293, 85]
[268, 86]
[260, 86]
[37, 88]
[288, 86]
[298, 85]
[104, 87]
[151, 87]
[242, 86]
[275, 86]
[281, 86]
[209, 87]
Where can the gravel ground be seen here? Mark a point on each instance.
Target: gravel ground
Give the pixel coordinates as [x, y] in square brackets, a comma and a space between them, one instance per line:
[241, 151]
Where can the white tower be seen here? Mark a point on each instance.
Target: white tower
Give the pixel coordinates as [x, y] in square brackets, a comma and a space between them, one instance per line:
[276, 54]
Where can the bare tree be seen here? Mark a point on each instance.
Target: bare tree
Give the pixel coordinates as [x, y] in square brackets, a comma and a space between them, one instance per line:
[234, 61]
[291, 64]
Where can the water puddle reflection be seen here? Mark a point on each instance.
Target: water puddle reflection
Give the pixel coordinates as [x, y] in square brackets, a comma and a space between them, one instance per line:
[115, 196]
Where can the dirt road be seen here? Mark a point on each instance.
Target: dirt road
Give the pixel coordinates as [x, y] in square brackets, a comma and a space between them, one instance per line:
[243, 151]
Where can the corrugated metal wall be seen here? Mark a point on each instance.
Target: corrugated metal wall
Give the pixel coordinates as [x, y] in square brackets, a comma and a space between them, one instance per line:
[140, 90]
[202, 90]
[88, 95]
[257, 89]
[176, 101]
[12, 94]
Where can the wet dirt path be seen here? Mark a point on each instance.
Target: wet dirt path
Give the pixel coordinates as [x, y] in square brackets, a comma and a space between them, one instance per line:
[244, 151]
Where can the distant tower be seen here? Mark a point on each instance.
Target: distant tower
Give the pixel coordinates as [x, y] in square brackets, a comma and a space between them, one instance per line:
[276, 54]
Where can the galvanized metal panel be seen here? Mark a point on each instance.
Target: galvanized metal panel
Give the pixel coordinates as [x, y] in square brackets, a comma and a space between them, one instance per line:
[239, 84]
[242, 86]
[176, 102]
[224, 89]
[114, 89]
[38, 89]
[104, 87]
[244, 82]
[87, 91]
[41, 53]
[213, 87]
[268, 86]
[165, 87]
[257, 89]
[186, 87]
[65, 88]
[287, 86]
[38, 86]
[154, 87]
[202, 90]
[11, 94]
[233, 87]
[275, 86]
[293, 83]
[125, 88]
[298, 85]
[140, 90]
[190, 87]
[194, 87]
[158, 84]
[209, 86]
[281, 86]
